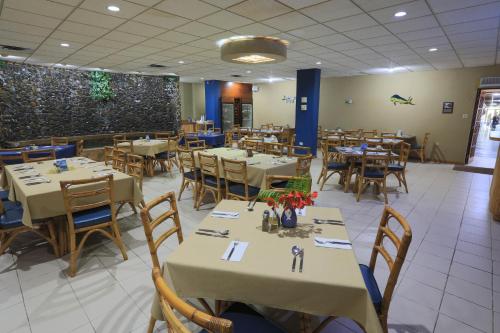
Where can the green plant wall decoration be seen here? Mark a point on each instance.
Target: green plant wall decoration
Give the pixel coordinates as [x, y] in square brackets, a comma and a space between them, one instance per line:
[100, 86]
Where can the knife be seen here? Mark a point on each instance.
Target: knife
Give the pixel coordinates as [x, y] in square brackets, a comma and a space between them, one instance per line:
[209, 234]
[232, 250]
[301, 261]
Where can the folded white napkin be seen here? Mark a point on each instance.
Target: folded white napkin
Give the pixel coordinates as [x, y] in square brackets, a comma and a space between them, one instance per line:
[300, 212]
[225, 215]
[329, 242]
[36, 180]
[23, 168]
[106, 173]
[238, 252]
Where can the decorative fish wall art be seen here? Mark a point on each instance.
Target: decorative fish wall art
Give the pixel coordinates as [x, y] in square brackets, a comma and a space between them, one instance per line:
[396, 99]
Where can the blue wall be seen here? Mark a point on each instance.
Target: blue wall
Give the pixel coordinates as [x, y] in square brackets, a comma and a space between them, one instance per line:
[213, 90]
[306, 122]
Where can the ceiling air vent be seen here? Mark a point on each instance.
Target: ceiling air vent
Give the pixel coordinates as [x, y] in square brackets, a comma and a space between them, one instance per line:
[235, 75]
[157, 66]
[13, 48]
[489, 82]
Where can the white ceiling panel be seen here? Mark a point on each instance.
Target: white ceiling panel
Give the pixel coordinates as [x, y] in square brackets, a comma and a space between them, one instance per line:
[225, 20]
[140, 29]
[413, 10]
[289, 21]
[439, 6]
[127, 9]
[24, 28]
[366, 33]
[298, 4]
[192, 9]
[370, 5]
[256, 29]
[420, 23]
[13, 15]
[198, 29]
[331, 40]
[92, 18]
[40, 7]
[82, 29]
[470, 14]
[491, 23]
[160, 19]
[259, 10]
[421, 34]
[330, 10]
[352, 23]
[312, 31]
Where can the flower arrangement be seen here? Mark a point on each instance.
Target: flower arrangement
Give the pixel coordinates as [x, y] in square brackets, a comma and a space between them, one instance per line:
[293, 199]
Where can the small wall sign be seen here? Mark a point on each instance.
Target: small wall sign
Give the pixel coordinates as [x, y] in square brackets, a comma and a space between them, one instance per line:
[448, 107]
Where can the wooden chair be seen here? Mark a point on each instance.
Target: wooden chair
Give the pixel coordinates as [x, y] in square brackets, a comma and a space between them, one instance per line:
[274, 148]
[370, 134]
[119, 160]
[228, 139]
[211, 181]
[256, 145]
[350, 141]
[303, 166]
[196, 144]
[135, 168]
[108, 155]
[279, 183]
[119, 137]
[235, 174]
[382, 301]
[168, 159]
[374, 142]
[10, 156]
[332, 163]
[388, 134]
[89, 211]
[297, 151]
[190, 173]
[398, 168]
[124, 145]
[79, 147]
[164, 135]
[420, 149]
[38, 155]
[354, 133]
[217, 130]
[59, 141]
[242, 317]
[11, 226]
[374, 169]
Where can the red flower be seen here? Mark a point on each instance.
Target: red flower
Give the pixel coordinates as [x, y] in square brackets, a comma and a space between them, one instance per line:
[314, 195]
[271, 202]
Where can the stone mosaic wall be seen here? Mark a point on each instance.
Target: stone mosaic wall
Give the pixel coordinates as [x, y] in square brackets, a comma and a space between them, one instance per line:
[39, 102]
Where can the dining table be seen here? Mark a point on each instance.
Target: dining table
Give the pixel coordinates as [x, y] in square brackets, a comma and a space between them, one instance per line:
[149, 149]
[62, 151]
[326, 279]
[259, 166]
[36, 185]
[212, 139]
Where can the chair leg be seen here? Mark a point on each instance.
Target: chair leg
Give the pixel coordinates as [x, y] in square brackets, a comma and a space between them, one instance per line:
[403, 178]
[151, 325]
[117, 239]
[131, 204]
[73, 255]
[360, 188]
[53, 238]
[422, 157]
[200, 197]
[183, 187]
[384, 189]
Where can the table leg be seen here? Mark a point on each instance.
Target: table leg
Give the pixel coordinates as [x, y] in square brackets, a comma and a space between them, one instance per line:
[62, 236]
[347, 181]
[305, 323]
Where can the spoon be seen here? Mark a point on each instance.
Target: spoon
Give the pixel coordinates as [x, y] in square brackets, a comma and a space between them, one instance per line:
[295, 251]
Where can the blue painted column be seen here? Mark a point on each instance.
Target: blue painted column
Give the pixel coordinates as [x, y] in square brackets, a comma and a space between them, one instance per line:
[306, 122]
[213, 91]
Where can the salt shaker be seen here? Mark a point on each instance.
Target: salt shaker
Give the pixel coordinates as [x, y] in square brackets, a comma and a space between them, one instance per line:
[265, 221]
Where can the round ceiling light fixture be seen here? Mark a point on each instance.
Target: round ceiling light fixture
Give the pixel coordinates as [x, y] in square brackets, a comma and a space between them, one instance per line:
[253, 49]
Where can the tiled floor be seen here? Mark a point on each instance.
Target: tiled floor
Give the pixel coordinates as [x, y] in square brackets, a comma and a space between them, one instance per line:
[449, 283]
[486, 149]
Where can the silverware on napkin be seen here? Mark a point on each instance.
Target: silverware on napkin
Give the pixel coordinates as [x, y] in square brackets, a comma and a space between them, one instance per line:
[332, 242]
[235, 244]
[219, 232]
[326, 221]
[301, 260]
[210, 234]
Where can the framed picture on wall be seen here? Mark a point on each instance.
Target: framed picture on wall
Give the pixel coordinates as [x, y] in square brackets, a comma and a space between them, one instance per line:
[448, 107]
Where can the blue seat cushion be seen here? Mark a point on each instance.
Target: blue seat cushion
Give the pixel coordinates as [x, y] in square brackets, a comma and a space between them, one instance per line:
[4, 195]
[165, 155]
[280, 184]
[395, 167]
[212, 181]
[191, 174]
[239, 189]
[337, 166]
[372, 286]
[13, 215]
[373, 173]
[247, 320]
[94, 216]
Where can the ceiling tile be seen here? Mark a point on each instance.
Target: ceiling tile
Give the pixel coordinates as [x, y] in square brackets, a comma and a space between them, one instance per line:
[369, 5]
[198, 29]
[225, 20]
[69, 37]
[96, 19]
[159, 44]
[259, 10]
[331, 40]
[439, 6]
[346, 46]
[301, 45]
[352, 23]
[127, 9]
[366, 33]
[491, 23]
[103, 42]
[413, 10]
[39, 7]
[420, 23]
[24, 28]
[223, 3]
[289, 21]
[256, 29]
[21, 37]
[13, 15]
[140, 29]
[377, 41]
[312, 31]
[203, 43]
[160, 19]
[192, 9]
[421, 34]
[124, 37]
[187, 49]
[297, 4]
[428, 42]
[82, 29]
[147, 3]
[470, 14]
[332, 9]
[475, 35]
[177, 37]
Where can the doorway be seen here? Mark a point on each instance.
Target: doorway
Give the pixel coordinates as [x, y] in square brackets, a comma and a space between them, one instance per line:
[482, 151]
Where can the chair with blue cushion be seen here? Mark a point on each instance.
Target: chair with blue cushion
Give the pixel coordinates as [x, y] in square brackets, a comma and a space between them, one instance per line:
[164, 135]
[398, 167]
[4, 195]
[238, 318]
[400, 240]
[190, 173]
[420, 149]
[167, 159]
[297, 151]
[211, 180]
[38, 155]
[332, 162]
[59, 141]
[90, 208]
[236, 176]
[374, 169]
[11, 226]
[10, 156]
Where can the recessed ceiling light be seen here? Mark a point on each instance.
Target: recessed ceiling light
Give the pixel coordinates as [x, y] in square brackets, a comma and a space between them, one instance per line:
[318, 62]
[113, 8]
[433, 49]
[64, 44]
[201, 78]
[181, 61]
[248, 72]
[400, 14]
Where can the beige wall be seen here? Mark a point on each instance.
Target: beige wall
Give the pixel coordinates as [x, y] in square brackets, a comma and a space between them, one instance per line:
[186, 100]
[198, 100]
[371, 107]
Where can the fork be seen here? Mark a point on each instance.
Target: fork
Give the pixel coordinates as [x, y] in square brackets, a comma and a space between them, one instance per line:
[235, 244]
[222, 233]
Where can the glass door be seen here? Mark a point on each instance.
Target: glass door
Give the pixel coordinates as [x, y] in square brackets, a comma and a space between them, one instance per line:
[227, 116]
[247, 115]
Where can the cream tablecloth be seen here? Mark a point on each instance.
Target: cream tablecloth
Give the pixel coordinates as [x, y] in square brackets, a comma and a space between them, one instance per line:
[152, 147]
[258, 166]
[330, 284]
[46, 200]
